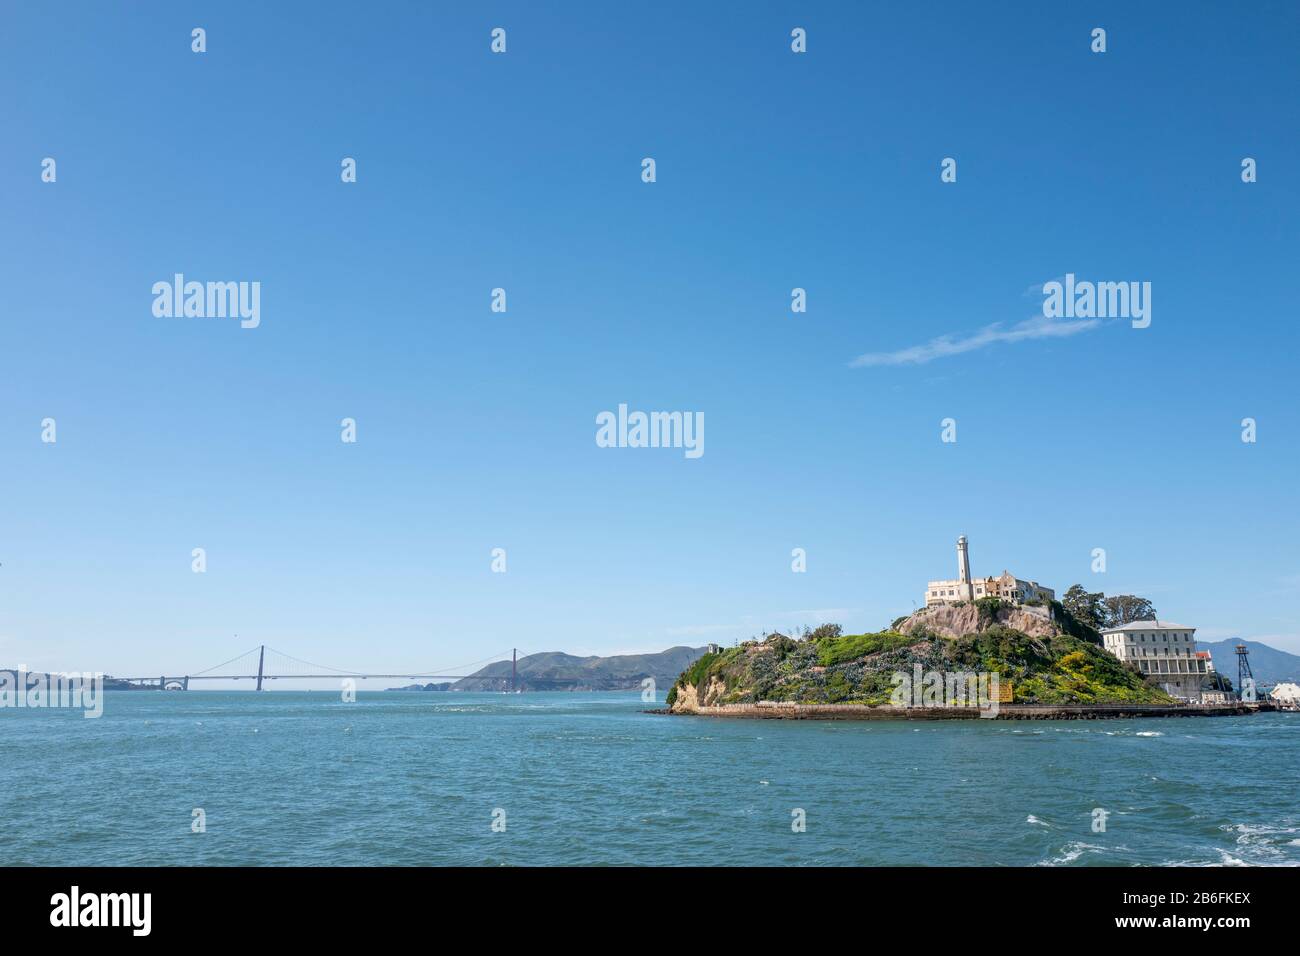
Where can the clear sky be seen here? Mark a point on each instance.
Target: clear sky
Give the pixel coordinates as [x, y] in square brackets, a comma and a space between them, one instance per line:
[476, 430]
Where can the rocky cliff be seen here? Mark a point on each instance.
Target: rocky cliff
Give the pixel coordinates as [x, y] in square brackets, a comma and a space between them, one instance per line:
[958, 620]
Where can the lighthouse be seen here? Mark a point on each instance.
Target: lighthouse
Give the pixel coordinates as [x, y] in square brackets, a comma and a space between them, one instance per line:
[1006, 587]
[963, 570]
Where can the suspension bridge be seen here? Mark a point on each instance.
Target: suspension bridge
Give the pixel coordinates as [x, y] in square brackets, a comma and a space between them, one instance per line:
[264, 663]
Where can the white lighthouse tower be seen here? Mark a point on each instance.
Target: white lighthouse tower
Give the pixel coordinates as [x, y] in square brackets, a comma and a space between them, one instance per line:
[1006, 587]
[963, 570]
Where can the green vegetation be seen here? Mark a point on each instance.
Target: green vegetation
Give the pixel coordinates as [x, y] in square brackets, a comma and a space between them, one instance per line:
[988, 610]
[1093, 609]
[825, 631]
[825, 667]
[1086, 607]
[854, 646]
[696, 673]
[1061, 669]
[829, 667]
[1068, 622]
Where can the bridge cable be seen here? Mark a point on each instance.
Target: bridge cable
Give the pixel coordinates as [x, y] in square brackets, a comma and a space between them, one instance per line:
[224, 663]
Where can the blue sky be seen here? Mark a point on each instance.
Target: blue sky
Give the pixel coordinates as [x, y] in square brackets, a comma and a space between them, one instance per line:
[476, 430]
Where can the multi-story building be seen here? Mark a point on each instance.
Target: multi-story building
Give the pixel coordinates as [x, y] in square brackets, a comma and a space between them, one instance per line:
[1166, 652]
[1006, 586]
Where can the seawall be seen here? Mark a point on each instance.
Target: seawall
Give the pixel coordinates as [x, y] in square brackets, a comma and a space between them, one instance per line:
[783, 711]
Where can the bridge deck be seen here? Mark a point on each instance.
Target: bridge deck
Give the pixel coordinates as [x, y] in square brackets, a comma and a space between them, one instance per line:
[296, 677]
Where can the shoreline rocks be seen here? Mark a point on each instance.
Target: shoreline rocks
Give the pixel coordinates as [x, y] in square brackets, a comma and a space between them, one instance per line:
[767, 710]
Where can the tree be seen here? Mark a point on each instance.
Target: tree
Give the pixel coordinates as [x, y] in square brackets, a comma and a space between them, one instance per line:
[1216, 681]
[823, 632]
[1126, 608]
[1086, 607]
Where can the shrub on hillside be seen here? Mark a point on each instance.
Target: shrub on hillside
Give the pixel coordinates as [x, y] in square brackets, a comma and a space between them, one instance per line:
[988, 611]
[1073, 626]
[852, 646]
[825, 631]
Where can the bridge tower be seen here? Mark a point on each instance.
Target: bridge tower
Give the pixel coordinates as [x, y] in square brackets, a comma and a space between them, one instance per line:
[261, 656]
[514, 667]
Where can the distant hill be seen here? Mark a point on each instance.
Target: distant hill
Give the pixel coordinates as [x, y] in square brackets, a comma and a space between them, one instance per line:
[553, 670]
[1268, 664]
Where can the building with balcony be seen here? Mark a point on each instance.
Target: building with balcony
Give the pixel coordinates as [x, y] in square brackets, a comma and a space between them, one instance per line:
[1165, 652]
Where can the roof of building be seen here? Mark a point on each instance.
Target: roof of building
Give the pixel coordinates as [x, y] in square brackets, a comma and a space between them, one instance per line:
[1147, 626]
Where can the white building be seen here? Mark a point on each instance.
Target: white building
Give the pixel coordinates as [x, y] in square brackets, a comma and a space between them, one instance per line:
[1287, 694]
[1164, 651]
[1007, 586]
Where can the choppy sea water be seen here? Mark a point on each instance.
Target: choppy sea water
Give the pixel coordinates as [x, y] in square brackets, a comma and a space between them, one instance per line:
[418, 778]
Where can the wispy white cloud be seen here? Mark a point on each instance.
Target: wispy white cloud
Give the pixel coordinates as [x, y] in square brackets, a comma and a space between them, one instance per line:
[1038, 327]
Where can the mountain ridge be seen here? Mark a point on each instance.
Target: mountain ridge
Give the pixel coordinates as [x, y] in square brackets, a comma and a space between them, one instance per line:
[1269, 665]
[556, 670]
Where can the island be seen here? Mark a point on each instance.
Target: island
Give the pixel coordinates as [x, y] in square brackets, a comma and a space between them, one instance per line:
[955, 659]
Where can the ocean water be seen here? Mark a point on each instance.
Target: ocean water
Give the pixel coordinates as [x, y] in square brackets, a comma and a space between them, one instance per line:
[416, 779]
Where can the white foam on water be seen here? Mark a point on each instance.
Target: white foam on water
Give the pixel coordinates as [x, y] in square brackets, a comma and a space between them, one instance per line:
[1071, 852]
